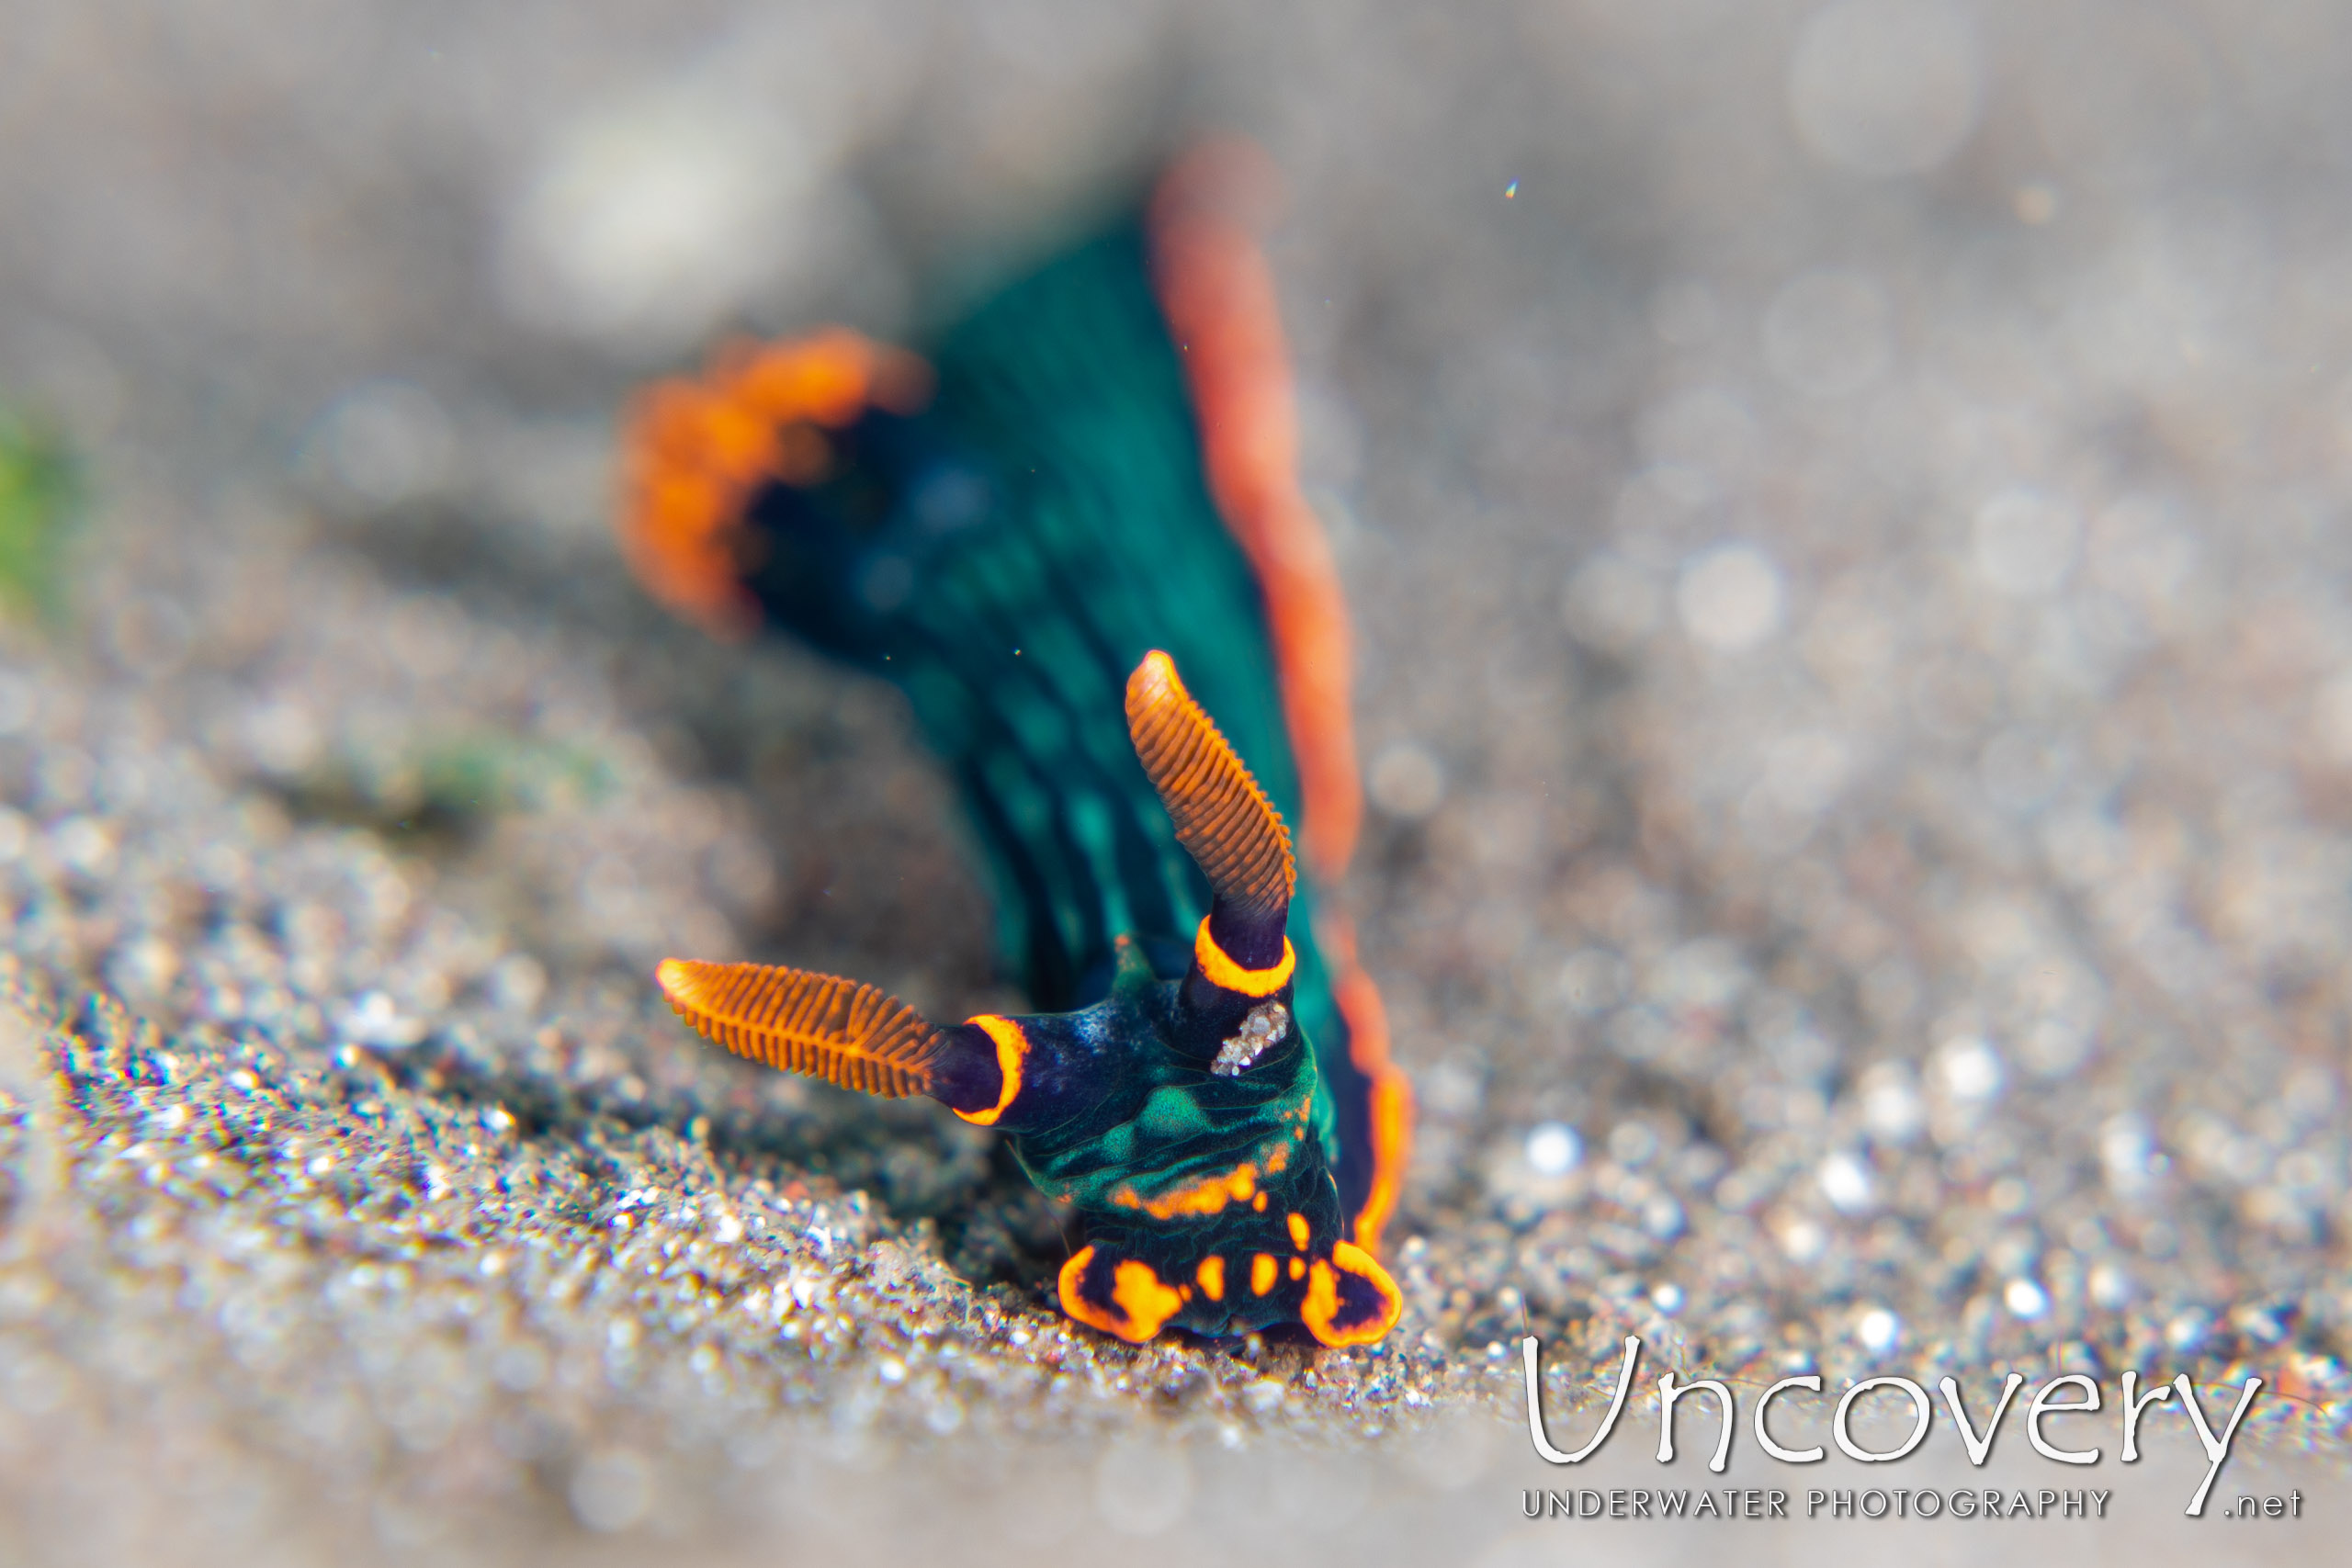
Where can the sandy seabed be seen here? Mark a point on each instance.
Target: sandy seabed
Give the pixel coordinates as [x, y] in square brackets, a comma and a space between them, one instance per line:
[1847, 513]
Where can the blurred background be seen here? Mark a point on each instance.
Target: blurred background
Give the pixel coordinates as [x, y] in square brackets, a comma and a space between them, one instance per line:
[1845, 509]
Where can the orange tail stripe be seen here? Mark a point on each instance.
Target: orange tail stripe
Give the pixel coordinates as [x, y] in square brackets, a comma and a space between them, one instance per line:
[1219, 295]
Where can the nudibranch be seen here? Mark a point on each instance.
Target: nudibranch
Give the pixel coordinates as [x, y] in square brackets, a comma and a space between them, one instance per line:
[1082, 485]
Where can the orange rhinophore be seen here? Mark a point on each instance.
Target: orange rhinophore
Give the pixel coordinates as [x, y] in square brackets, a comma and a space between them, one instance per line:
[846, 1033]
[1222, 817]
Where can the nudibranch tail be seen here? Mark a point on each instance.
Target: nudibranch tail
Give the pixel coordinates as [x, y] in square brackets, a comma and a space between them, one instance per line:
[696, 450]
[1221, 817]
[852, 1036]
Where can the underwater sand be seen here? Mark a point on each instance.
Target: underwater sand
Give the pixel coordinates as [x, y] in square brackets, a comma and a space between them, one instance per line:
[1854, 673]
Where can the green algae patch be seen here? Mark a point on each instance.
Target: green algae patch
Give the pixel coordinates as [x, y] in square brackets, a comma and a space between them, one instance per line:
[40, 493]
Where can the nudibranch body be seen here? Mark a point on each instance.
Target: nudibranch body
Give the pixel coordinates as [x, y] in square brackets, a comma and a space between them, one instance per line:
[1084, 485]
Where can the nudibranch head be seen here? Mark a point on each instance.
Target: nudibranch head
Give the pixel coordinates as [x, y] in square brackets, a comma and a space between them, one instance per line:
[1182, 1117]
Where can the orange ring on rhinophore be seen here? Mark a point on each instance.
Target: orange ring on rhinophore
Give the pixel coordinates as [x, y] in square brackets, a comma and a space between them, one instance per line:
[1011, 1048]
[1225, 973]
[1143, 1301]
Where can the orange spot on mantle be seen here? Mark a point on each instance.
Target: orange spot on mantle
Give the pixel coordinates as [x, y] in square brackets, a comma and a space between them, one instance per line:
[1210, 1194]
[1320, 1310]
[1140, 1302]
